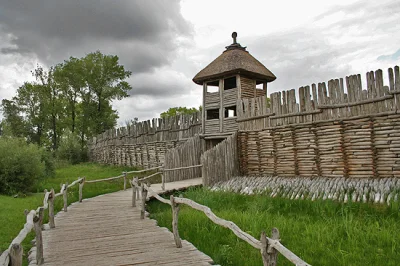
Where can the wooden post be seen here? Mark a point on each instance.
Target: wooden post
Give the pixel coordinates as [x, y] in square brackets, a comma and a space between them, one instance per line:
[51, 209]
[124, 173]
[138, 191]
[203, 110]
[268, 253]
[65, 197]
[221, 106]
[81, 188]
[15, 254]
[175, 215]
[265, 88]
[162, 180]
[133, 193]
[144, 196]
[37, 222]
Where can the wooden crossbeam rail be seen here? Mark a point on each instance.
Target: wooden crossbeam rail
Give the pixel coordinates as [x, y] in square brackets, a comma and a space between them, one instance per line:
[105, 179]
[145, 170]
[182, 168]
[269, 247]
[147, 177]
[34, 218]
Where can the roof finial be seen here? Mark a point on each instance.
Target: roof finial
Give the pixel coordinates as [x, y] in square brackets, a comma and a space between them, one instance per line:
[234, 35]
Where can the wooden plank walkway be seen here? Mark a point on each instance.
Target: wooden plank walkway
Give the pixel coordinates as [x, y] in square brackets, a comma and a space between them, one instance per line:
[107, 230]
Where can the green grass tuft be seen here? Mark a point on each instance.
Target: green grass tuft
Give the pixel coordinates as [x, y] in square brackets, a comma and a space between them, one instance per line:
[320, 232]
[12, 216]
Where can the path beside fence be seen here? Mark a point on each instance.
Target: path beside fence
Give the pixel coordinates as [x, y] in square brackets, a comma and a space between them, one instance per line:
[107, 230]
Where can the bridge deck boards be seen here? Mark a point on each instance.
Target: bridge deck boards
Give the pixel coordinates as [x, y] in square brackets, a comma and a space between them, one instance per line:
[107, 230]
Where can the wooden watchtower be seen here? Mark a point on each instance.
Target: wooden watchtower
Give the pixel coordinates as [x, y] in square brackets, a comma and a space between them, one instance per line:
[234, 75]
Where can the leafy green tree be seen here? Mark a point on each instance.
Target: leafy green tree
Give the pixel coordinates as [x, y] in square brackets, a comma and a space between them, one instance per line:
[74, 96]
[13, 123]
[70, 78]
[54, 111]
[105, 81]
[31, 100]
[174, 111]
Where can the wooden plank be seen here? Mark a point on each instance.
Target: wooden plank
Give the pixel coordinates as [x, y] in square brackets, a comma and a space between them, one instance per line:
[110, 241]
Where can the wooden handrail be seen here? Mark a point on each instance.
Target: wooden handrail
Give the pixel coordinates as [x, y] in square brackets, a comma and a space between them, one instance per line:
[104, 179]
[145, 170]
[267, 245]
[15, 248]
[181, 168]
[147, 177]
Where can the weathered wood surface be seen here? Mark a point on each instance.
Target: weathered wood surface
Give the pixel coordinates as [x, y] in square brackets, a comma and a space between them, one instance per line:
[221, 162]
[183, 157]
[331, 129]
[145, 143]
[107, 230]
[374, 190]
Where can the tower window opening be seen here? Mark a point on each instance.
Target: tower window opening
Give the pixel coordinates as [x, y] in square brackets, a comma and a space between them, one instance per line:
[212, 114]
[230, 83]
[230, 111]
[260, 86]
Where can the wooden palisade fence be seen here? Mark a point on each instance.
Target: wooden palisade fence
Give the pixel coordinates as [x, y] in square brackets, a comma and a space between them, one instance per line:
[144, 143]
[221, 162]
[331, 129]
[187, 154]
[268, 246]
[34, 219]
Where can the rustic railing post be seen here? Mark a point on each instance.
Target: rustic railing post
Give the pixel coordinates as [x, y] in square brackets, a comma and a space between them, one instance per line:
[15, 254]
[144, 196]
[37, 223]
[162, 179]
[65, 196]
[124, 173]
[133, 193]
[175, 215]
[81, 183]
[51, 209]
[268, 253]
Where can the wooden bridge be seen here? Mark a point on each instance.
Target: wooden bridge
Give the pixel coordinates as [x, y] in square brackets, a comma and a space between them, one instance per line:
[112, 230]
[107, 230]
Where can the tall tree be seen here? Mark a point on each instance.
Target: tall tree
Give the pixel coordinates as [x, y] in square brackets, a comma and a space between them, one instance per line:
[51, 100]
[70, 78]
[105, 80]
[32, 102]
[74, 96]
[13, 123]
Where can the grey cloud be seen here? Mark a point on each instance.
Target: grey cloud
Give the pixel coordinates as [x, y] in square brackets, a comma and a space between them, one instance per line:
[392, 57]
[142, 33]
[160, 84]
[380, 16]
[298, 58]
[13, 50]
[323, 50]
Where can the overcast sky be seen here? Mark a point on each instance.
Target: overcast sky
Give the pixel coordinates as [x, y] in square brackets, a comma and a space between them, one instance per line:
[165, 43]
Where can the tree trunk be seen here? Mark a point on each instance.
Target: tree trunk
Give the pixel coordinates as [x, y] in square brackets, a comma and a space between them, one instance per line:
[54, 126]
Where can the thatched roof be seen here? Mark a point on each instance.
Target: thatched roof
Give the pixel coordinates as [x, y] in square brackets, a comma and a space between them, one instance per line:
[235, 59]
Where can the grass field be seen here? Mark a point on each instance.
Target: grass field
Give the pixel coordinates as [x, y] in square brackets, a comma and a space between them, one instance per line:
[320, 232]
[12, 216]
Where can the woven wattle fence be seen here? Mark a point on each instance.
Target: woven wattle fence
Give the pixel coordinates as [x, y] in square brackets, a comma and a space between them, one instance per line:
[339, 130]
[144, 144]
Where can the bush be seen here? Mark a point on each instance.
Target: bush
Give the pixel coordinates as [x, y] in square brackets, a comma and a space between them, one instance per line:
[70, 149]
[21, 165]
